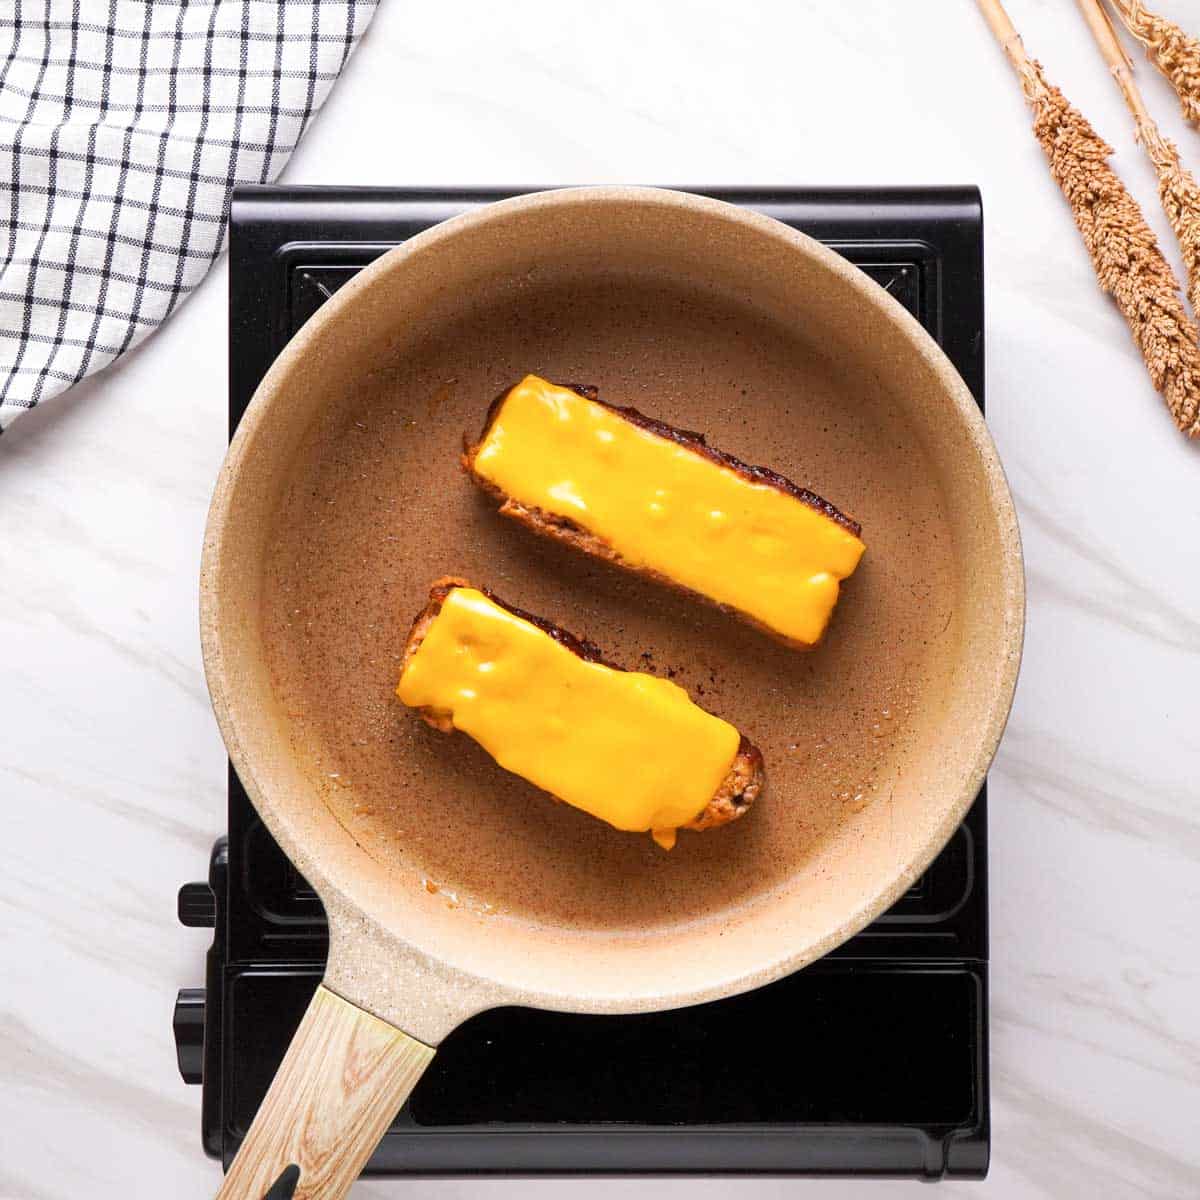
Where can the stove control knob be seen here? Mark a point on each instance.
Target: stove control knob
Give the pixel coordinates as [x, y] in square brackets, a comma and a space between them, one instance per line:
[189, 1034]
[197, 906]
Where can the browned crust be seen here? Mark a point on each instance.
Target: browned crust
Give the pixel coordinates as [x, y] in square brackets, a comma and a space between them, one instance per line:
[563, 529]
[738, 790]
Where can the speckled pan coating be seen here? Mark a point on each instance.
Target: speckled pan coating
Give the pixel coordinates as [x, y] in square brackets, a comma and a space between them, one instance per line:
[406, 955]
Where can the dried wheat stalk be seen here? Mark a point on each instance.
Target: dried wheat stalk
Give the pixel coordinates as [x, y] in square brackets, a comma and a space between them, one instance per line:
[1127, 260]
[1175, 53]
[1177, 188]
[1180, 195]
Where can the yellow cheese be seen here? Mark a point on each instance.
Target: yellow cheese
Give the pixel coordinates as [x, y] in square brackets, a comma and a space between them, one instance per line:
[663, 506]
[629, 748]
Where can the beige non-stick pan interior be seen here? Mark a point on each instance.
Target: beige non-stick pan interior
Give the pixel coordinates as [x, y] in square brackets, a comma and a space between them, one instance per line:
[343, 499]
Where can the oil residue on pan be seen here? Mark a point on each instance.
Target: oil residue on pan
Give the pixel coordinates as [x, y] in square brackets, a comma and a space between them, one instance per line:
[378, 508]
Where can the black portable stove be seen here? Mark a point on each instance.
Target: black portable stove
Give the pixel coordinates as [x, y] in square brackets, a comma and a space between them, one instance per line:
[873, 1061]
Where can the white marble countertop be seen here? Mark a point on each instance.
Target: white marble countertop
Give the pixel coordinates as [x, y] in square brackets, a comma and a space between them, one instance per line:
[111, 769]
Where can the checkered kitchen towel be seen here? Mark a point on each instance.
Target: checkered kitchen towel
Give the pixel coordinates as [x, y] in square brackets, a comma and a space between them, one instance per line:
[123, 126]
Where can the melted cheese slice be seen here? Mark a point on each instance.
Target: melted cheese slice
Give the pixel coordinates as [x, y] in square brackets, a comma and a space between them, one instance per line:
[665, 507]
[629, 748]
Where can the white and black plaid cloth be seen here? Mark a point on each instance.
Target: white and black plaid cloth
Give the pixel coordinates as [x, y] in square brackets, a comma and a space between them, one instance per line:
[123, 126]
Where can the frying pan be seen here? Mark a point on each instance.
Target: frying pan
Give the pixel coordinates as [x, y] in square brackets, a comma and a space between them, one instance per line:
[451, 887]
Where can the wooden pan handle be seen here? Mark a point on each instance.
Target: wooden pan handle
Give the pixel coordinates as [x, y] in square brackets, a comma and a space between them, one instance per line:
[344, 1077]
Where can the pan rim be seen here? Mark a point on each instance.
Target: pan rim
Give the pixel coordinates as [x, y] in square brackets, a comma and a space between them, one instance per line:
[339, 899]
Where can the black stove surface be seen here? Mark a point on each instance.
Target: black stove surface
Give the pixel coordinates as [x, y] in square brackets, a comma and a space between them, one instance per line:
[873, 1060]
